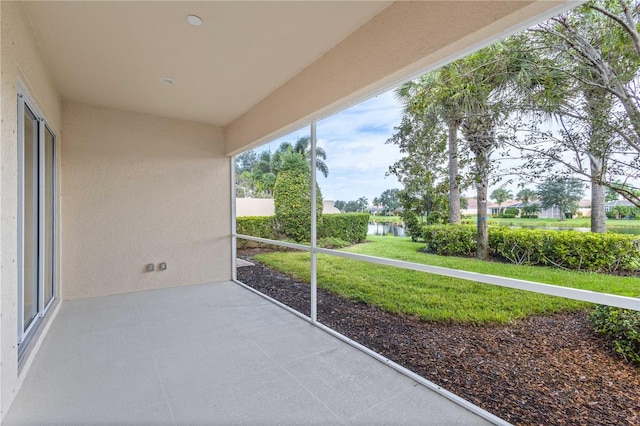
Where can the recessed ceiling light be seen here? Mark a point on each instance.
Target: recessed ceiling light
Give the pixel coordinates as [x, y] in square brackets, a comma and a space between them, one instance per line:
[194, 20]
[167, 81]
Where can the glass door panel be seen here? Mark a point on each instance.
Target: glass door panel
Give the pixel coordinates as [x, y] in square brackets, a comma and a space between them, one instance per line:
[48, 223]
[30, 236]
[36, 220]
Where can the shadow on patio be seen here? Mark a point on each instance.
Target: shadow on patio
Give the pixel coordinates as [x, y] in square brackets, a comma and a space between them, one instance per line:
[213, 354]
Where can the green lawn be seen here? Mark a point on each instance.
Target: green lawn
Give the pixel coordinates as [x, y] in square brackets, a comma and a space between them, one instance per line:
[582, 222]
[437, 298]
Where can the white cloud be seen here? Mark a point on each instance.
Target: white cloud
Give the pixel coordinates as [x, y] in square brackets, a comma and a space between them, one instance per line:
[357, 155]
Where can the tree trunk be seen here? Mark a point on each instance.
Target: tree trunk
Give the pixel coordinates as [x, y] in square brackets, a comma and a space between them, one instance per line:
[598, 106]
[454, 189]
[598, 216]
[478, 130]
[482, 251]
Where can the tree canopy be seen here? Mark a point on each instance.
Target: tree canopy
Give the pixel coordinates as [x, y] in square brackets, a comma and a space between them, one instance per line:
[256, 174]
[565, 193]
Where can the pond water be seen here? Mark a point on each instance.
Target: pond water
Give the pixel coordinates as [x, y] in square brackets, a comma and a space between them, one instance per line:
[395, 229]
[634, 230]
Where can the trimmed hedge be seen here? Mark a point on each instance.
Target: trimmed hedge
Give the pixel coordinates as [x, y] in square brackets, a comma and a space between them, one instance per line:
[450, 240]
[622, 327]
[350, 227]
[512, 210]
[257, 226]
[582, 251]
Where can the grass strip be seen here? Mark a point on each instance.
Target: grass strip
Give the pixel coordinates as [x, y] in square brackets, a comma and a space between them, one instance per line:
[436, 298]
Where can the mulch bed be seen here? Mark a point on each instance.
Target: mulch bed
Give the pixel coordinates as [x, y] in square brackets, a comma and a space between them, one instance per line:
[544, 370]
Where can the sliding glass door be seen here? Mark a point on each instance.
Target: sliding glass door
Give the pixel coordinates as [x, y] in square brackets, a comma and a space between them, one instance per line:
[36, 193]
[30, 219]
[48, 219]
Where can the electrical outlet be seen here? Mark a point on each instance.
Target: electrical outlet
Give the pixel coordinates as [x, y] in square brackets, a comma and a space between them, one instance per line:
[162, 266]
[149, 268]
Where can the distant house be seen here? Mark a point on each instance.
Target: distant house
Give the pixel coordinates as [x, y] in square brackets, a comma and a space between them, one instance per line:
[584, 207]
[375, 210]
[493, 208]
[472, 207]
[552, 212]
[617, 203]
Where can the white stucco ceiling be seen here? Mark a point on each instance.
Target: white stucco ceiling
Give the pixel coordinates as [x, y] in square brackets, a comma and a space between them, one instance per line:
[114, 54]
[259, 68]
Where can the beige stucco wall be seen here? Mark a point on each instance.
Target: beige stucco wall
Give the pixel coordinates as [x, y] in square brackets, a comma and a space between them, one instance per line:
[20, 58]
[255, 207]
[141, 189]
[266, 207]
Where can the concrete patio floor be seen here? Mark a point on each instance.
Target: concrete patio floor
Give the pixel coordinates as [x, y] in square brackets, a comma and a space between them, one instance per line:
[211, 354]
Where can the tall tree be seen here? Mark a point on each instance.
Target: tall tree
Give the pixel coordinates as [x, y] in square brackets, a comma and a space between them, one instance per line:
[435, 98]
[596, 47]
[291, 160]
[477, 92]
[388, 200]
[246, 161]
[362, 203]
[565, 193]
[424, 198]
[303, 146]
[493, 77]
[500, 195]
[526, 196]
[611, 195]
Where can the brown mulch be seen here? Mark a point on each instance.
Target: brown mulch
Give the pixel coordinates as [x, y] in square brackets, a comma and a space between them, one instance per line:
[544, 370]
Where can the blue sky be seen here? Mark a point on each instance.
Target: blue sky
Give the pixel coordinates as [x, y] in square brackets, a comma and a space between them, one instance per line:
[357, 155]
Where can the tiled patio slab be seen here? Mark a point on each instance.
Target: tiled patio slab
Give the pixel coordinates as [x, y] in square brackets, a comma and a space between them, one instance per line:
[211, 354]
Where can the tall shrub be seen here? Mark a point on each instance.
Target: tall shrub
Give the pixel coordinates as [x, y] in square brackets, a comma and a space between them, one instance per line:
[292, 200]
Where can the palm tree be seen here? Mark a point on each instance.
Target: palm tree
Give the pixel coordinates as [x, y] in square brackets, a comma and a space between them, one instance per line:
[362, 203]
[526, 195]
[501, 195]
[490, 83]
[303, 146]
[434, 96]
[474, 95]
